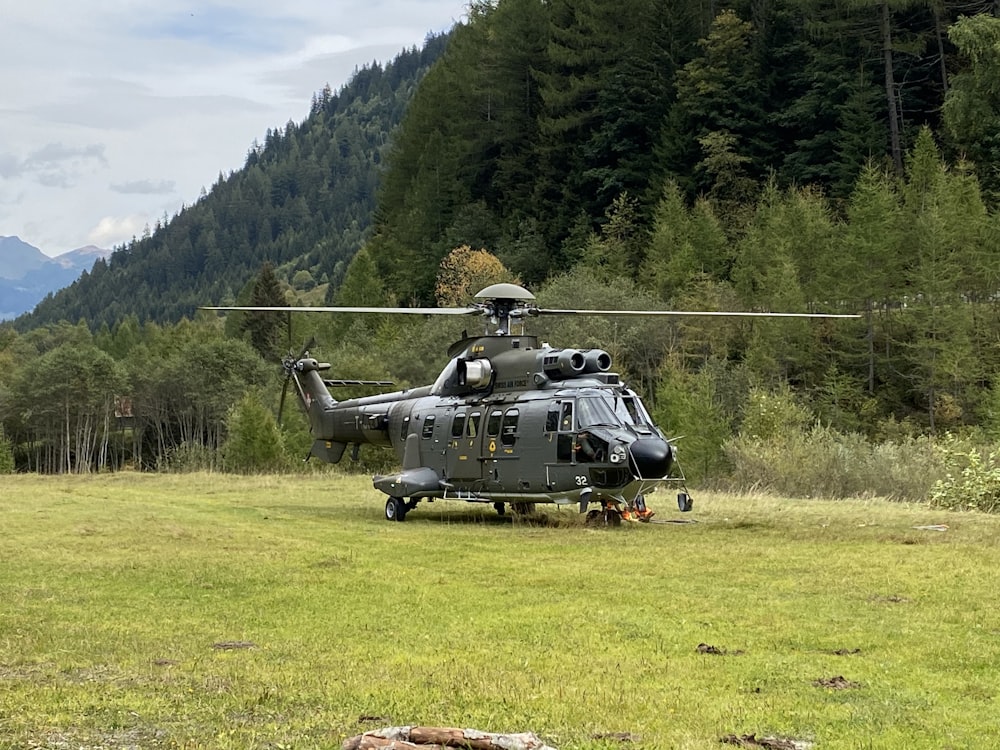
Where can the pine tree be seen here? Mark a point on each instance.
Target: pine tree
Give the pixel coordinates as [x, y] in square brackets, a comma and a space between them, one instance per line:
[269, 331]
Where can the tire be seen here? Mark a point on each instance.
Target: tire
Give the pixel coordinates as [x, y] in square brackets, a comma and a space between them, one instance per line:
[395, 509]
[499, 508]
[611, 518]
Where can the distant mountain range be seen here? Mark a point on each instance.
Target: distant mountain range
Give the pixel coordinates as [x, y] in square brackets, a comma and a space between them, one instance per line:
[27, 274]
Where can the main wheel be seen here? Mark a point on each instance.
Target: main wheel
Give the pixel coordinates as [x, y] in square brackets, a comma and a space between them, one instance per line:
[611, 517]
[499, 508]
[395, 509]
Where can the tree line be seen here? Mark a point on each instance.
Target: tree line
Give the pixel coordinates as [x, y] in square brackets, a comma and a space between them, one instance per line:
[787, 156]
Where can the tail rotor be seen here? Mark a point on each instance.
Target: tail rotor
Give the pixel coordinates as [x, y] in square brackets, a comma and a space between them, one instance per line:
[288, 364]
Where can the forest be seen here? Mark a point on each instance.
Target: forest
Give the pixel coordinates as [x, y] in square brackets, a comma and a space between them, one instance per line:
[770, 156]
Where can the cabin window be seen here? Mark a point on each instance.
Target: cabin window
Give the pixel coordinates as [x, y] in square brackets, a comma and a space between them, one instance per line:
[428, 426]
[508, 429]
[458, 424]
[472, 426]
[493, 424]
[566, 417]
[552, 418]
[404, 428]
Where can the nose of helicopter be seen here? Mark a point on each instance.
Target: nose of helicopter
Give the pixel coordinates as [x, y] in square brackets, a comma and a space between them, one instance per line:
[651, 458]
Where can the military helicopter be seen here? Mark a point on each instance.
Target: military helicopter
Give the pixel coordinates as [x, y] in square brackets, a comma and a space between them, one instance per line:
[508, 421]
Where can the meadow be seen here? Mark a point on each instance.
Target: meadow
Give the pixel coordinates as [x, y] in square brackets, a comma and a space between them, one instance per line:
[215, 611]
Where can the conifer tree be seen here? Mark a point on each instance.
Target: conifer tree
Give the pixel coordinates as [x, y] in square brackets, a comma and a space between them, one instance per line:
[269, 331]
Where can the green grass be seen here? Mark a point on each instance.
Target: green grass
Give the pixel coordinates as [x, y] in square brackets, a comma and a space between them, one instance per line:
[114, 590]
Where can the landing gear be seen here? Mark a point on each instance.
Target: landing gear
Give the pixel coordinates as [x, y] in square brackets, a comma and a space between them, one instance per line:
[684, 502]
[639, 511]
[609, 516]
[499, 508]
[395, 509]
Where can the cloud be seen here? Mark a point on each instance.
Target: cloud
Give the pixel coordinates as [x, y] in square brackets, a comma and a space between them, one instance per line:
[125, 109]
[144, 187]
[112, 230]
[54, 164]
[52, 154]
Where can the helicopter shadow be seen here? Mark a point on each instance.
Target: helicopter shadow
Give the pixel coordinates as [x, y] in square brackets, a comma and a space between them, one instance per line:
[428, 517]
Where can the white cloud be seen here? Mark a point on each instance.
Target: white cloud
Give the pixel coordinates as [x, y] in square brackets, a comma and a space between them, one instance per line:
[113, 230]
[125, 109]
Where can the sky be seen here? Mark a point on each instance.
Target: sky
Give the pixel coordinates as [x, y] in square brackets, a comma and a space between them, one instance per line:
[114, 113]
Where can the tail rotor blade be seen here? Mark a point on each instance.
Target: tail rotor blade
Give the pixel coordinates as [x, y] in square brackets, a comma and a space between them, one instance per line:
[289, 365]
[281, 403]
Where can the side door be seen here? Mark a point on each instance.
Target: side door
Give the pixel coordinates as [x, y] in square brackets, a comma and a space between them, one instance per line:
[561, 470]
[465, 438]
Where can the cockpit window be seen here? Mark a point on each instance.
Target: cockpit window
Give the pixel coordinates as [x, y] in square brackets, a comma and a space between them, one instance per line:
[630, 411]
[594, 411]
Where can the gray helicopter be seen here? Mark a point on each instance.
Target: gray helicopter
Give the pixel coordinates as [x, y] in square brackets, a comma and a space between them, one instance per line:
[508, 421]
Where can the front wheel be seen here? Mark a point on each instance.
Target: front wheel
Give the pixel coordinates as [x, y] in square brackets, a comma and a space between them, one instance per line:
[395, 509]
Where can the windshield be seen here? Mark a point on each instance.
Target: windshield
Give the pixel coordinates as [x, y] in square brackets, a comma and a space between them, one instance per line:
[595, 411]
[630, 411]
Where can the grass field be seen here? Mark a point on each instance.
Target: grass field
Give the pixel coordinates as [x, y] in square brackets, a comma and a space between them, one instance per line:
[118, 593]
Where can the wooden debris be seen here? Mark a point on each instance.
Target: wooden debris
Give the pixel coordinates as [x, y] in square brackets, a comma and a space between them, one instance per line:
[440, 738]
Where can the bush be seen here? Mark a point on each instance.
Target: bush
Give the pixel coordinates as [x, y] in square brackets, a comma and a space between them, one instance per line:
[821, 462]
[188, 457]
[255, 444]
[971, 477]
[6, 454]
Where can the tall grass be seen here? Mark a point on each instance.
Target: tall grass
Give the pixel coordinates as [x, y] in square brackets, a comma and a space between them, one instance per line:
[822, 462]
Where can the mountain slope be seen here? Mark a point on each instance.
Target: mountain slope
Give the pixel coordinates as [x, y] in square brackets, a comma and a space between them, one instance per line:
[27, 275]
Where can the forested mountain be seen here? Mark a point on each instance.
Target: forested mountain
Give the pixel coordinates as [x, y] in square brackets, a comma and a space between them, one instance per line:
[304, 201]
[542, 114]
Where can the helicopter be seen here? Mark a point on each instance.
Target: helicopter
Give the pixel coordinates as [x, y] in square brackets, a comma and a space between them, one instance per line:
[508, 422]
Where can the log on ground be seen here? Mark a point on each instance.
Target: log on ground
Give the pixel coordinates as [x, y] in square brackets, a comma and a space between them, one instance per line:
[442, 738]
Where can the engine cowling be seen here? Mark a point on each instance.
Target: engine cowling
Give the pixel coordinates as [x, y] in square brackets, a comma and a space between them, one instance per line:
[564, 363]
[596, 360]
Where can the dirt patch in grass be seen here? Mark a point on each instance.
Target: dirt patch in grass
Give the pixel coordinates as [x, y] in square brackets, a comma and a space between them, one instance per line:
[836, 683]
[375, 719]
[704, 648]
[769, 743]
[624, 737]
[891, 599]
[233, 645]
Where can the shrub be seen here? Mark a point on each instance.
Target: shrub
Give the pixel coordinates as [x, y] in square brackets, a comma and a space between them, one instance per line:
[255, 444]
[971, 477]
[6, 454]
[821, 462]
[188, 457]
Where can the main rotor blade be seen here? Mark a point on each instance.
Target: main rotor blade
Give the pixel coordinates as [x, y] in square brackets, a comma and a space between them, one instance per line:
[689, 313]
[386, 310]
